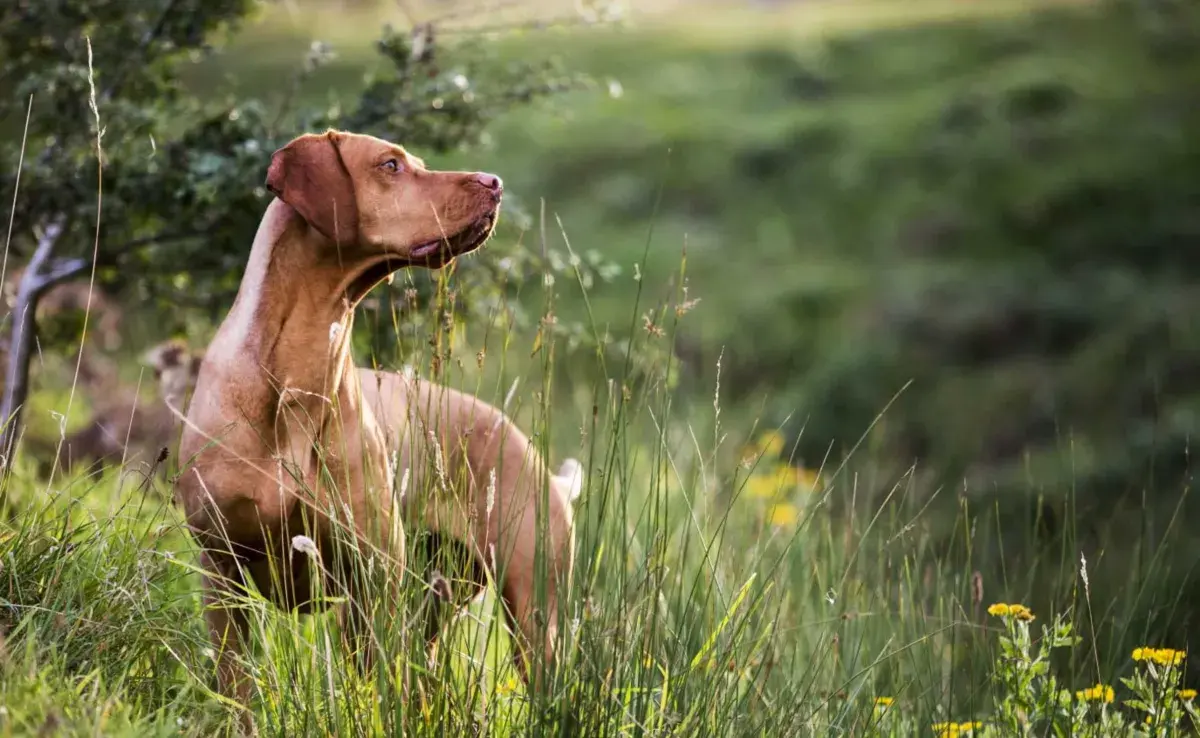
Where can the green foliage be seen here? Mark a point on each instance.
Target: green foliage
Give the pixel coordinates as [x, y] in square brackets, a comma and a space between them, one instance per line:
[970, 239]
[182, 178]
[997, 212]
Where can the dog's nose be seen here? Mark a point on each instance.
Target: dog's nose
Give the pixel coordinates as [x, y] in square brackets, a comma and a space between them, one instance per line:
[490, 181]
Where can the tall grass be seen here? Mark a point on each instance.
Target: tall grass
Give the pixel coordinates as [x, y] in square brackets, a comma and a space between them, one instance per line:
[718, 590]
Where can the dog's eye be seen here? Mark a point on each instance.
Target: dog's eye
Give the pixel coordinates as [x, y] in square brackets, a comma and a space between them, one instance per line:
[391, 165]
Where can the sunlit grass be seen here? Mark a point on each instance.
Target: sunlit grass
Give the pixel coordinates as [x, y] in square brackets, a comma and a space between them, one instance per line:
[720, 589]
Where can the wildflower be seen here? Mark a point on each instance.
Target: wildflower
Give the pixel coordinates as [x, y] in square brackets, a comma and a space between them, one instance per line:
[1170, 657]
[1020, 612]
[1187, 695]
[770, 443]
[784, 515]
[954, 730]
[1098, 693]
[884, 702]
[1160, 656]
[761, 487]
[771, 482]
[508, 686]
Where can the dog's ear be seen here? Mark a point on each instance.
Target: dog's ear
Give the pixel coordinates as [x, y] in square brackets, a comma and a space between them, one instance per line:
[309, 175]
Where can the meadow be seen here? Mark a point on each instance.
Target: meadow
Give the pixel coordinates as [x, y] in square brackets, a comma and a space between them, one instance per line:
[844, 297]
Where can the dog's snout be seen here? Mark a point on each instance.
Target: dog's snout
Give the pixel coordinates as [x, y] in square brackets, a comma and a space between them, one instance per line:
[490, 181]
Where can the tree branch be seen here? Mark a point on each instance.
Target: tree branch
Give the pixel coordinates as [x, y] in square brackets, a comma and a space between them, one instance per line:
[114, 254]
[33, 284]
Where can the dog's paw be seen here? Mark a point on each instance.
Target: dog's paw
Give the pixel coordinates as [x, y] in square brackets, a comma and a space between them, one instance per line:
[571, 474]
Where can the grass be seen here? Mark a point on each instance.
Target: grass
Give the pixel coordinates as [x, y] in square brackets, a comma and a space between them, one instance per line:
[720, 590]
[727, 583]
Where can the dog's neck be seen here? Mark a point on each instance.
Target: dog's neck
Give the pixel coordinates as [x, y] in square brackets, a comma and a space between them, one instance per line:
[288, 331]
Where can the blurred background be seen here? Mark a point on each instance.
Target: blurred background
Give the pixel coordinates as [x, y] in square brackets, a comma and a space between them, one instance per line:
[949, 248]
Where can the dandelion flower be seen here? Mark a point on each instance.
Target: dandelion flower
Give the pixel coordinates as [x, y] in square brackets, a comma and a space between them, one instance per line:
[954, 730]
[1187, 695]
[770, 443]
[1098, 693]
[508, 686]
[999, 610]
[884, 701]
[784, 515]
[1161, 656]
[1020, 612]
[1170, 657]
[761, 487]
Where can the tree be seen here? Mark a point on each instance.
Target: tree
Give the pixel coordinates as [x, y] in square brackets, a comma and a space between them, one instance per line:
[118, 173]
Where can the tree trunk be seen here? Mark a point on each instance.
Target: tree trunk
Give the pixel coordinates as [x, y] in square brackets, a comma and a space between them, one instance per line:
[39, 276]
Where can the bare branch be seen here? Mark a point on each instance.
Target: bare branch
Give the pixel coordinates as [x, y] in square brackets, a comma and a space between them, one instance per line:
[33, 283]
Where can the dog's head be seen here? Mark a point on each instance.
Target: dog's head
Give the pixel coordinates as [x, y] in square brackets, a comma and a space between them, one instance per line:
[379, 206]
[175, 368]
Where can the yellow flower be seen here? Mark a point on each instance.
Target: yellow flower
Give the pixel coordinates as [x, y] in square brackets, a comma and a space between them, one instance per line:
[1098, 693]
[954, 730]
[784, 515]
[1187, 695]
[770, 443]
[761, 487]
[1161, 656]
[508, 686]
[808, 478]
[1170, 657]
[884, 702]
[1020, 612]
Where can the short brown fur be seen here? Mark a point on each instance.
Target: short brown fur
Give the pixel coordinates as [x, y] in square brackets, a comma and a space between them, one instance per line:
[284, 433]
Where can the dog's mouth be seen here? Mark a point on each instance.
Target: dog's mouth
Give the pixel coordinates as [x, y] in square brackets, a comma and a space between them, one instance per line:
[432, 254]
[470, 238]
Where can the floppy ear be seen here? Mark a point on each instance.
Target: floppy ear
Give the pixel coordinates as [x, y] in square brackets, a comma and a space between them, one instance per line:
[309, 175]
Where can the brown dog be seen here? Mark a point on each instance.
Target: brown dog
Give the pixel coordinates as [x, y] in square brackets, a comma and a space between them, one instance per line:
[124, 428]
[287, 437]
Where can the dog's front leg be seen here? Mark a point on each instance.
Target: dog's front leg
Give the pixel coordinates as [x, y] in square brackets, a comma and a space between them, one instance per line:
[229, 631]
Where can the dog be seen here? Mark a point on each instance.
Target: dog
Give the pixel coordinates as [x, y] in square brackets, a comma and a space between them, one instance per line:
[126, 429]
[285, 437]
